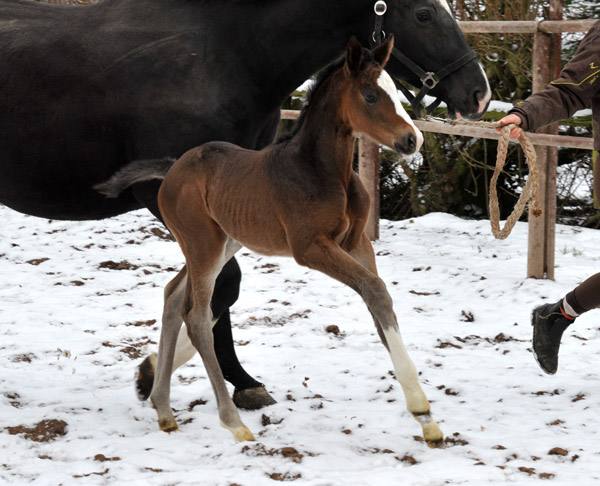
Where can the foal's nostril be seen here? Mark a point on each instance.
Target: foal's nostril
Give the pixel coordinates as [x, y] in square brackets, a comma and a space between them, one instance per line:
[408, 145]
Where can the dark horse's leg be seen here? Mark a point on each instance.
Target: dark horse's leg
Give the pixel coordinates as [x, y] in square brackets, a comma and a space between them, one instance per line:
[249, 393]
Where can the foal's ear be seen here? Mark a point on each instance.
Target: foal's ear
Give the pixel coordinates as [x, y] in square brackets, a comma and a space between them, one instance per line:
[381, 53]
[354, 56]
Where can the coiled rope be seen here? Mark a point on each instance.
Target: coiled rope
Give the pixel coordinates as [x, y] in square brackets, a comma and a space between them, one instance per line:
[530, 191]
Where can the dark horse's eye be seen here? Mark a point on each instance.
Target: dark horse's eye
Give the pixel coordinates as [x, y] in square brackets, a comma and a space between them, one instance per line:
[370, 98]
[423, 16]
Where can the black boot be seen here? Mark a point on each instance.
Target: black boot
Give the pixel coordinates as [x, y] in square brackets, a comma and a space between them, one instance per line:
[548, 323]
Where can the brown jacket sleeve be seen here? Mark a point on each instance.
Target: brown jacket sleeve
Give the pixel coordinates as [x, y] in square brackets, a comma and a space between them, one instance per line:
[577, 84]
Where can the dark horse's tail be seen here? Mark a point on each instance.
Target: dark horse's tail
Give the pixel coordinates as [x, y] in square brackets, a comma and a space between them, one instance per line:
[138, 171]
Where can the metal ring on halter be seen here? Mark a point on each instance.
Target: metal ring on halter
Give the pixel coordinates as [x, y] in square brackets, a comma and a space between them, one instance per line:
[429, 80]
[373, 35]
[380, 8]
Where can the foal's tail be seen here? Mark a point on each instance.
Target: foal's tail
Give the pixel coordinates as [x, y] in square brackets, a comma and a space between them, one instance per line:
[138, 171]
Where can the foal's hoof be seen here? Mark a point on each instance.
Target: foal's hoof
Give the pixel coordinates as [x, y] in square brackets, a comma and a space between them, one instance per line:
[145, 377]
[253, 398]
[241, 433]
[436, 444]
[168, 425]
[432, 434]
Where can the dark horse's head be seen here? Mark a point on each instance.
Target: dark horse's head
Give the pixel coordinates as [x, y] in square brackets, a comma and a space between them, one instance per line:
[428, 35]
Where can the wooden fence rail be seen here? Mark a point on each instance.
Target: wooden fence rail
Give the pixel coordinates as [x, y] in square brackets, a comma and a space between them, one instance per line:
[525, 26]
[540, 261]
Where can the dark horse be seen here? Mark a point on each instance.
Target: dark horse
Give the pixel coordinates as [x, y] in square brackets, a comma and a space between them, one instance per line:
[86, 90]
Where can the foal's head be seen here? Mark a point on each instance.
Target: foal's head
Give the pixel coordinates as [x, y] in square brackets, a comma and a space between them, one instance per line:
[371, 100]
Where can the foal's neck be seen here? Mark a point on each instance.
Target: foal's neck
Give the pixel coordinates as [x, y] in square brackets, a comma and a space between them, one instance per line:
[326, 136]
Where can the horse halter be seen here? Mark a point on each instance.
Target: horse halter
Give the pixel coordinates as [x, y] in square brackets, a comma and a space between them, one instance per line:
[428, 79]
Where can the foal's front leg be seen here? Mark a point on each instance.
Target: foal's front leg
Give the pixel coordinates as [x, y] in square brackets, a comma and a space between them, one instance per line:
[358, 271]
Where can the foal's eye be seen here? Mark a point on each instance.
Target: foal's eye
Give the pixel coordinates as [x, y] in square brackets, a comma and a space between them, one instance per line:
[370, 98]
[423, 16]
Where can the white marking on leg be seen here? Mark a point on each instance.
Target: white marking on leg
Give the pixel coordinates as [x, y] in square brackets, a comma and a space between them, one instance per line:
[386, 83]
[406, 373]
[416, 400]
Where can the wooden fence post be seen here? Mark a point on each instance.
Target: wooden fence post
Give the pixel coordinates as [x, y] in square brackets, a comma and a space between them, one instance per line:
[368, 171]
[540, 260]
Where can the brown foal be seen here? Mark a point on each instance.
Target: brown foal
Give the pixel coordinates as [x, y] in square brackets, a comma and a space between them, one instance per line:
[299, 198]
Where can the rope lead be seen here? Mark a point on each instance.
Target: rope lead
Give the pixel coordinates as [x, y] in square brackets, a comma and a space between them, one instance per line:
[530, 191]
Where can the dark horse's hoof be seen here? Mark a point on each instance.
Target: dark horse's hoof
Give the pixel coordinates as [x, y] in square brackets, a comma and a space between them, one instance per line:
[145, 377]
[248, 399]
[253, 398]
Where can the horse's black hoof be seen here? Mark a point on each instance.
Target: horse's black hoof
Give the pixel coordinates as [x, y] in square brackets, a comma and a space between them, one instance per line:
[253, 398]
[145, 377]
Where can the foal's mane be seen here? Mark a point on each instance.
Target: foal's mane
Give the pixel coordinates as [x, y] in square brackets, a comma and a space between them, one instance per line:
[322, 76]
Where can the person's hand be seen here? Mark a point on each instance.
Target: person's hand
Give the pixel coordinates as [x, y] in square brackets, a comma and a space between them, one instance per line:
[512, 119]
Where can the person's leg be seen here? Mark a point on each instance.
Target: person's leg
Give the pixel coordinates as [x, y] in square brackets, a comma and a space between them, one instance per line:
[550, 321]
[584, 297]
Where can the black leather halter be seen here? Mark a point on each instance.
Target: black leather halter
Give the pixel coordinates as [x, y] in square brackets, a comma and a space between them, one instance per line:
[428, 80]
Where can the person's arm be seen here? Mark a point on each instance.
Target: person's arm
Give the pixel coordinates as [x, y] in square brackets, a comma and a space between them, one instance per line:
[578, 82]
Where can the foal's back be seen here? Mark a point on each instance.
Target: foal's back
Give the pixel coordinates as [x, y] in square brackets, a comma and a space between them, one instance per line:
[262, 199]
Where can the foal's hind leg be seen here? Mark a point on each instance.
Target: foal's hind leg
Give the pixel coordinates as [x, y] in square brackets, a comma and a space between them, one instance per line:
[249, 393]
[171, 322]
[204, 262]
[359, 272]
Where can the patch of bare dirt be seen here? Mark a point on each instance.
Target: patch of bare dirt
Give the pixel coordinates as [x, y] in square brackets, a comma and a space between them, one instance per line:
[22, 358]
[103, 458]
[333, 329]
[414, 292]
[122, 265]
[284, 476]
[13, 399]
[45, 431]
[267, 268]
[474, 340]
[37, 261]
[290, 453]
[558, 451]
[148, 323]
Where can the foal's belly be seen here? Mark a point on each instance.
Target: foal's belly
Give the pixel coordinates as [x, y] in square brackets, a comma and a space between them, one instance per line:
[264, 239]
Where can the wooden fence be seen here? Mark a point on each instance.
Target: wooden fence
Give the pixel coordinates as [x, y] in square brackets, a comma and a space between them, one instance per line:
[541, 246]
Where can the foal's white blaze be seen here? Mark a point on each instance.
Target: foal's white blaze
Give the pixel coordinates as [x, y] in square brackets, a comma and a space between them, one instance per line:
[386, 83]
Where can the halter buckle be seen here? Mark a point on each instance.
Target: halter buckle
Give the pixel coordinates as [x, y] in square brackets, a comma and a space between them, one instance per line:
[430, 80]
[374, 37]
[380, 8]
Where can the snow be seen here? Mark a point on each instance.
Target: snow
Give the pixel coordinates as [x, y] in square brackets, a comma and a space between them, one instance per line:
[75, 328]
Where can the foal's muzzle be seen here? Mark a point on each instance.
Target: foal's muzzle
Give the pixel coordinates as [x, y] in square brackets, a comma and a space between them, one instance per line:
[408, 145]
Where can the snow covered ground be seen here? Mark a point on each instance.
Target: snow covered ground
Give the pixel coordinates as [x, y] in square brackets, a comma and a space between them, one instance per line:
[78, 304]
